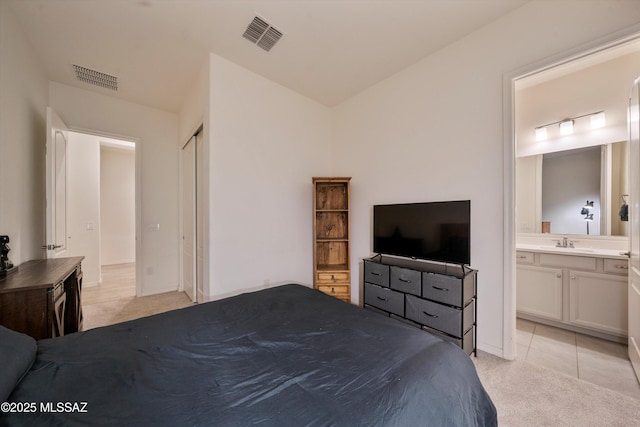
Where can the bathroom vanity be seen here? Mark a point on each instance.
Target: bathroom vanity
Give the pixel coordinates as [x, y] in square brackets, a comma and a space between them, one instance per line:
[581, 289]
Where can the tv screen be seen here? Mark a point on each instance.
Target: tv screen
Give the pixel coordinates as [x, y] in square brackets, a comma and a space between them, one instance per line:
[437, 231]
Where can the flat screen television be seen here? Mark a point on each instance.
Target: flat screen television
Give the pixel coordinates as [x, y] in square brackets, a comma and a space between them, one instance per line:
[436, 231]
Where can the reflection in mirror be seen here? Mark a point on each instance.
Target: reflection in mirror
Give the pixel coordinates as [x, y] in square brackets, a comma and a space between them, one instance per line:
[552, 190]
[570, 179]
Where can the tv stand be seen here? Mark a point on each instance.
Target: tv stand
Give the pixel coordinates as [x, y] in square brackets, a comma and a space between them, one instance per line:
[426, 295]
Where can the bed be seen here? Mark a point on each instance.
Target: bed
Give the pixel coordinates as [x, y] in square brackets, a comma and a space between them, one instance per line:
[284, 356]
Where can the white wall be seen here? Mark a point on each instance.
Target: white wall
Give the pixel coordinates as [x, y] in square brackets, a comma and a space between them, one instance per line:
[434, 131]
[23, 102]
[83, 203]
[117, 206]
[156, 133]
[266, 143]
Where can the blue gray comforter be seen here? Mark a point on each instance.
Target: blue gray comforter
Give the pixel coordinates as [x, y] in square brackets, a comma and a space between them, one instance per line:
[286, 356]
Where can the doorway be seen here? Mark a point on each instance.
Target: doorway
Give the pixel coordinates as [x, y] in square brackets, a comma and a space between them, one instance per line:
[563, 67]
[101, 206]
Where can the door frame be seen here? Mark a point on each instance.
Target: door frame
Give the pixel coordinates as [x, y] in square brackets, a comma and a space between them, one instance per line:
[509, 167]
[634, 271]
[194, 227]
[198, 294]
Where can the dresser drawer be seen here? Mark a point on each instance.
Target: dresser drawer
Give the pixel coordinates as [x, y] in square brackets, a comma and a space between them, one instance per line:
[333, 277]
[466, 342]
[384, 298]
[617, 266]
[405, 280]
[450, 320]
[448, 289]
[338, 291]
[376, 273]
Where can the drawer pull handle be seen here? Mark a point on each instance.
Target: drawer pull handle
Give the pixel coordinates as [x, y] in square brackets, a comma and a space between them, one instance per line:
[404, 280]
[522, 257]
[373, 273]
[333, 278]
[333, 290]
[622, 267]
[381, 299]
[430, 315]
[440, 289]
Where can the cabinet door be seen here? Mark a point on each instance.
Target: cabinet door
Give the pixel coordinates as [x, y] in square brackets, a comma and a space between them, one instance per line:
[539, 291]
[598, 301]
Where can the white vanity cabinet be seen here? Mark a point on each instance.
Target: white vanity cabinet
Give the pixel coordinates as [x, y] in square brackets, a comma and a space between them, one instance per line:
[583, 293]
[598, 301]
[539, 291]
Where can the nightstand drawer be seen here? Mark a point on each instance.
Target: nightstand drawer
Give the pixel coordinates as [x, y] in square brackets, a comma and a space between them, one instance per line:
[405, 280]
[384, 298]
[450, 320]
[376, 273]
[333, 277]
[57, 290]
[338, 291]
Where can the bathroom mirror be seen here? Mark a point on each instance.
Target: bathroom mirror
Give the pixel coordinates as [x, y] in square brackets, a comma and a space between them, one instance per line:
[578, 191]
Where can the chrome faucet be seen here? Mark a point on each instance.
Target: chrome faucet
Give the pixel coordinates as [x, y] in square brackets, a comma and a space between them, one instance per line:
[564, 243]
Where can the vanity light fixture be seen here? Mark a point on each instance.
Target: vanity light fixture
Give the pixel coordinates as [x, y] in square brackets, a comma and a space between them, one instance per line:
[541, 133]
[598, 120]
[566, 127]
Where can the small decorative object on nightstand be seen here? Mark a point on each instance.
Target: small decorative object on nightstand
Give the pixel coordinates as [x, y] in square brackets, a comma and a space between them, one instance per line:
[331, 258]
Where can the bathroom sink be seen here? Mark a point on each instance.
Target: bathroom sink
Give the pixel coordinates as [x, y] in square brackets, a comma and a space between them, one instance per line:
[568, 250]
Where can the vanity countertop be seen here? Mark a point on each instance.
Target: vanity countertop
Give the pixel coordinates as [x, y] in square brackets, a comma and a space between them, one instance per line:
[577, 251]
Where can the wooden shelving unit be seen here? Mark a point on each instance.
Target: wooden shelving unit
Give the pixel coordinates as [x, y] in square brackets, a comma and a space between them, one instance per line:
[331, 249]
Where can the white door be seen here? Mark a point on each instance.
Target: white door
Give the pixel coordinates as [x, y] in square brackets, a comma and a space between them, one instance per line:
[56, 182]
[189, 219]
[634, 235]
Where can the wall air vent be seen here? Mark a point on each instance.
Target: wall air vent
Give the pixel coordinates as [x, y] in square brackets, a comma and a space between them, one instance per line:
[96, 78]
[262, 34]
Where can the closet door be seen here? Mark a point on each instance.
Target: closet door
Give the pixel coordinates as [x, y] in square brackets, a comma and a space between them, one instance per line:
[188, 159]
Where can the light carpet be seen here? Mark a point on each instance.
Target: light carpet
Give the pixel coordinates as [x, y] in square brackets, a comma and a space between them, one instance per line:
[530, 395]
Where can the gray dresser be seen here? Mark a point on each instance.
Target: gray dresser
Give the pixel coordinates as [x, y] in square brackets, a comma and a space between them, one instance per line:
[437, 298]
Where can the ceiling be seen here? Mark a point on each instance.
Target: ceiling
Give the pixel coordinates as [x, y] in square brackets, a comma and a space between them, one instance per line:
[332, 49]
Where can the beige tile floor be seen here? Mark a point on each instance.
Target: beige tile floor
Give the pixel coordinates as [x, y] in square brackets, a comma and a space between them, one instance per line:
[588, 358]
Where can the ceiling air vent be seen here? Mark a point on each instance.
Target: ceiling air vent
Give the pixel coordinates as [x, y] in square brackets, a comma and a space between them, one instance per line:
[96, 78]
[262, 34]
